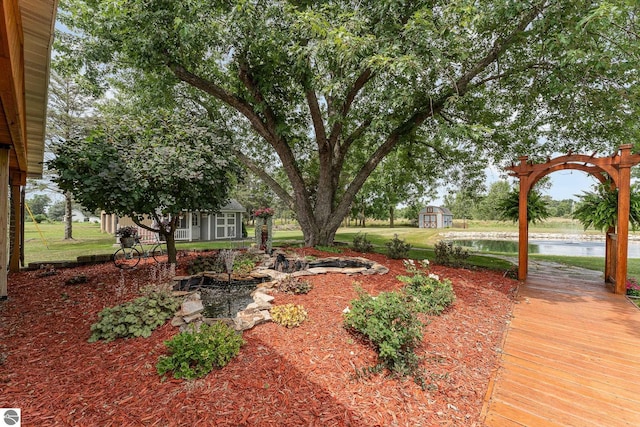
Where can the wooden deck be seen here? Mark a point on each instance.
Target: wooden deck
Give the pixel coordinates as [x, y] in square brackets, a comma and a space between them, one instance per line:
[571, 356]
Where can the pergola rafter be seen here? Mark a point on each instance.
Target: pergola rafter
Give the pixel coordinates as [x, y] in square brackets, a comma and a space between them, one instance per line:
[617, 167]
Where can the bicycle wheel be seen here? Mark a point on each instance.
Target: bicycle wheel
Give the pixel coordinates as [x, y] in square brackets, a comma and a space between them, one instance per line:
[126, 258]
[159, 252]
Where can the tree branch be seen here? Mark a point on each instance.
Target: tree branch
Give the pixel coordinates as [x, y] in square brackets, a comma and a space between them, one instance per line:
[316, 117]
[362, 79]
[499, 46]
[264, 176]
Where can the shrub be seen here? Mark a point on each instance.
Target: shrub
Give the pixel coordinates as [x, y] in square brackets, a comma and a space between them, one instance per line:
[243, 264]
[293, 285]
[193, 354]
[633, 288]
[137, 318]
[40, 218]
[397, 248]
[289, 315]
[448, 254]
[389, 324]
[361, 243]
[205, 263]
[425, 290]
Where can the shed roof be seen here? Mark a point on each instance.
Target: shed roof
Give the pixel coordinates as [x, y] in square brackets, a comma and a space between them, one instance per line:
[439, 209]
[233, 206]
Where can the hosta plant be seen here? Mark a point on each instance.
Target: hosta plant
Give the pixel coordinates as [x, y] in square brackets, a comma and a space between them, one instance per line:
[137, 318]
[289, 315]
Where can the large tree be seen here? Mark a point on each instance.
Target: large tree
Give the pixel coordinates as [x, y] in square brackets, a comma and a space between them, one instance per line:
[69, 117]
[327, 89]
[156, 165]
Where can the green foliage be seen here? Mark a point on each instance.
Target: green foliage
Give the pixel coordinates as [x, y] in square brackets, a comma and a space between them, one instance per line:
[38, 204]
[441, 80]
[397, 248]
[599, 209]
[140, 161]
[446, 253]
[243, 264]
[193, 354]
[39, 218]
[205, 263]
[330, 249]
[426, 291]
[294, 285]
[389, 323]
[361, 243]
[137, 318]
[509, 206]
[289, 315]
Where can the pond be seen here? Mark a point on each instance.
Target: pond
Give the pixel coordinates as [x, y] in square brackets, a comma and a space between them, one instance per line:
[546, 247]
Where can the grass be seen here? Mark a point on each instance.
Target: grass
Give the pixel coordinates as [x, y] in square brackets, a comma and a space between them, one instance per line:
[88, 240]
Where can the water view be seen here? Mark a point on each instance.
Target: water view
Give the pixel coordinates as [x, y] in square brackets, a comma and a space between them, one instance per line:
[546, 247]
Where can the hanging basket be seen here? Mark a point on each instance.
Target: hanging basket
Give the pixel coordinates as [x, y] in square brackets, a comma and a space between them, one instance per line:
[127, 242]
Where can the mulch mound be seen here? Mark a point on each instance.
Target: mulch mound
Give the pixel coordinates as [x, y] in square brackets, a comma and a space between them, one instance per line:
[305, 376]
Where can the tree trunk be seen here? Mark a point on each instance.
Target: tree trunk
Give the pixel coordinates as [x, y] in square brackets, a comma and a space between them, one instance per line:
[391, 212]
[172, 251]
[68, 216]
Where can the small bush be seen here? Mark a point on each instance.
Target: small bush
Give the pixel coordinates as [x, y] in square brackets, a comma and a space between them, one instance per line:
[425, 290]
[391, 326]
[40, 218]
[361, 243]
[205, 263]
[137, 318]
[243, 264]
[293, 285]
[448, 254]
[397, 248]
[193, 354]
[289, 315]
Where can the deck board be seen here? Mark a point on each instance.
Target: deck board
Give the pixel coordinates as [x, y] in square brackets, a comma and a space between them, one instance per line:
[571, 356]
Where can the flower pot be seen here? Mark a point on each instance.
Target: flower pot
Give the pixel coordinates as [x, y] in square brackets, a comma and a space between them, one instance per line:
[127, 242]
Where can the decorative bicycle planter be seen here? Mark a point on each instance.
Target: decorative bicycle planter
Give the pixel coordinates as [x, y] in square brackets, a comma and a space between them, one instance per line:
[127, 242]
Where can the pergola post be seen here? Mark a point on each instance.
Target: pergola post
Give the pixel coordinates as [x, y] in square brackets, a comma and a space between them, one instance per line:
[523, 223]
[624, 201]
[4, 217]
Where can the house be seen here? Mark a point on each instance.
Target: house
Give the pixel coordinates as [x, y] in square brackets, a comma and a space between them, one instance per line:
[435, 217]
[195, 226]
[78, 216]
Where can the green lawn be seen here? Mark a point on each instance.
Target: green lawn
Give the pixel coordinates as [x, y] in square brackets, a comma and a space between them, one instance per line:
[44, 242]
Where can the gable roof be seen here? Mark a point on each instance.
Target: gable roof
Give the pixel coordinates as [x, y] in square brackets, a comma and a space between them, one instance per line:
[233, 206]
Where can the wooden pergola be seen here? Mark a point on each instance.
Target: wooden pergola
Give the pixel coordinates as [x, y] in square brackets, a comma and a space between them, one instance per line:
[26, 36]
[616, 167]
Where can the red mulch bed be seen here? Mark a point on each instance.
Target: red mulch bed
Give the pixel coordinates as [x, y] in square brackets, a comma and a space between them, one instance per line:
[282, 377]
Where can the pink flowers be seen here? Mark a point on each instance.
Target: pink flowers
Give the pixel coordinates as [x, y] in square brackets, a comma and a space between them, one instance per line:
[633, 288]
[264, 213]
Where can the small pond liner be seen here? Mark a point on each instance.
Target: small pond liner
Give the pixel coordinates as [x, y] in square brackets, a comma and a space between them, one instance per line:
[221, 298]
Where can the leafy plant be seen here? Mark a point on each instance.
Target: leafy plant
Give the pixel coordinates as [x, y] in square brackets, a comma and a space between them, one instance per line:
[633, 288]
[509, 207]
[330, 249]
[205, 263]
[425, 290]
[137, 318]
[390, 325]
[361, 243]
[599, 209]
[397, 248]
[448, 254]
[289, 315]
[293, 285]
[193, 354]
[243, 264]
[127, 231]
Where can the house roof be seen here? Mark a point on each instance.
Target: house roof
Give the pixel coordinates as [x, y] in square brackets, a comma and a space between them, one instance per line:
[440, 209]
[233, 206]
[38, 21]
[26, 36]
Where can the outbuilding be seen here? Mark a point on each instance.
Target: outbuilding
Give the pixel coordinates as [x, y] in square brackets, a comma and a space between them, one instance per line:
[435, 217]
